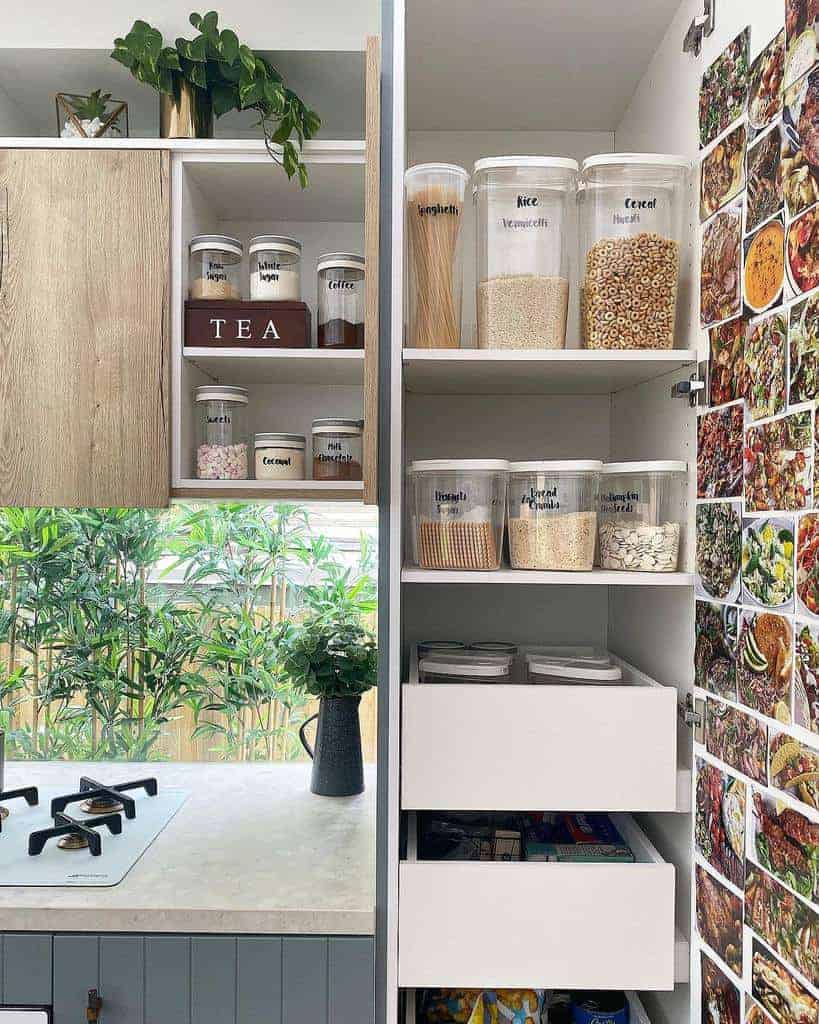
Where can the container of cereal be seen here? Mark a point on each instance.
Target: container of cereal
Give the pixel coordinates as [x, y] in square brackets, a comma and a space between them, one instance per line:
[435, 207]
[640, 508]
[214, 267]
[630, 230]
[524, 207]
[275, 268]
[459, 512]
[337, 449]
[465, 668]
[553, 514]
[341, 300]
[279, 456]
[221, 452]
[568, 673]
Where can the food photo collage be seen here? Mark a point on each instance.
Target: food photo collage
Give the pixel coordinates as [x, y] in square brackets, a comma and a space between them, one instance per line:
[756, 651]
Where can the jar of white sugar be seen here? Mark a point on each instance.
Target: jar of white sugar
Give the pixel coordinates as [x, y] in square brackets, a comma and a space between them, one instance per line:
[221, 450]
[641, 505]
[214, 267]
[275, 268]
[553, 514]
[523, 215]
[279, 456]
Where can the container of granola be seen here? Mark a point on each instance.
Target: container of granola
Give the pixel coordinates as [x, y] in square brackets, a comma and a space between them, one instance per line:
[553, 514]
[639, 515]
[630, 230]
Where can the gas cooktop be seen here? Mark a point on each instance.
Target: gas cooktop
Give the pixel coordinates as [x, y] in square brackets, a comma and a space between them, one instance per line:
[92, 836]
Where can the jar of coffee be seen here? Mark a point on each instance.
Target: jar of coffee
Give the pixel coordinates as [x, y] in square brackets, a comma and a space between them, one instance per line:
[337, 449]
[340, 300]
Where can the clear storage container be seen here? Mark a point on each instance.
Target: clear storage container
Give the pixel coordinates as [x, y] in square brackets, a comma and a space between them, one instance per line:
[640, 509]
[275, 269]
[494, 647]
[221, 452]
[586, 654]
[553, 514]
[440, 647]
[465, 668]
[337, 449]
[630, 226]
[523, 207]
[567, 673]
[279, 456]
[214, 267]
[341, 300]
[459, 510]
[435, 206]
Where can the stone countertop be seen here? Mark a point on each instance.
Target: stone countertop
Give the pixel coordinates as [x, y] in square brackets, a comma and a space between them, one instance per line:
[252, 851]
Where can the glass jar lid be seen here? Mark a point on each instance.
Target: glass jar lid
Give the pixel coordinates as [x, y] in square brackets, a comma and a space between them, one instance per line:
[217, 243]
[635, 168]
[274, 243]
[332, 425]
[340, 261]
[559, 466]
[220, 393]
[269, 439]
[459, 465]
[634, 468]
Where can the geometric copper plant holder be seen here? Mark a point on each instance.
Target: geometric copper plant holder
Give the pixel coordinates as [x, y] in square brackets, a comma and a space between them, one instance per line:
[69, 114]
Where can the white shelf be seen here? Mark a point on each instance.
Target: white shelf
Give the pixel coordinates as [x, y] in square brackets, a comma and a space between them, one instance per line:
[280, 367]
[343, 150]
[562, 371]
[597, 577]
[274, 490]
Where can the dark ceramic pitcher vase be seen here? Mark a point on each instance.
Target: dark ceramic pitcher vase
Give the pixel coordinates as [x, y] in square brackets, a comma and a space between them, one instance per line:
[338, 768]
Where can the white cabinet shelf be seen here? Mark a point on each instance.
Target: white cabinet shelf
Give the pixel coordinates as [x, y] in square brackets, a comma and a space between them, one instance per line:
[597, 577]
[563, 371]
[281, 367]
[273, 490]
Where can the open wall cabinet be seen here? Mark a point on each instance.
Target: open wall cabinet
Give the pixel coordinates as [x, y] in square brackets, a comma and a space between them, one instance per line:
[632, 751]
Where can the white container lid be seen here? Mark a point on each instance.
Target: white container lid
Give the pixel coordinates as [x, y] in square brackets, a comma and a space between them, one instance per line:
[219, 243]
[418, 169]
[459, 465]
[584, 654]
[220, 392]
[574, 671]
[272, 440]
[491, 667]
[560, 466]
[274, 243]
[636, 160]
[635, 468]
[496, 163]
[340, 261]
[331, 425]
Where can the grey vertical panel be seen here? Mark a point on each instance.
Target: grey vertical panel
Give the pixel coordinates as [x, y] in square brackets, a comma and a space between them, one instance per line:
[352, 980]
[259, 980]
[27, 969]
[304, 980]
[213, 980]
[76, 970]
[167, 979]
[122, 978]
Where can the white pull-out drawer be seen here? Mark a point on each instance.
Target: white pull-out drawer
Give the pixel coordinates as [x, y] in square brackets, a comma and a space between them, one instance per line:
[474, 924]
[525, 747]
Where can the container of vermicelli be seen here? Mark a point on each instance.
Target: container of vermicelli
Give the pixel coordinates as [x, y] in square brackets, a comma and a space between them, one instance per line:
[435, 207]
[459, 508]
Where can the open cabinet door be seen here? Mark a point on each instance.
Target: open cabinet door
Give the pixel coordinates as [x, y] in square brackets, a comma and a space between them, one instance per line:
[745, 110]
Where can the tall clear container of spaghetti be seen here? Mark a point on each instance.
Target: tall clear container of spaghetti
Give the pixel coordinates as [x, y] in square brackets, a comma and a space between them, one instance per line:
[630, 228]
[435, 207]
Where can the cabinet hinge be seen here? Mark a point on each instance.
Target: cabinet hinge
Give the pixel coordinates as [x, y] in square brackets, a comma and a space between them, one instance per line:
[700, 28]
[691, 387]
[692, 713]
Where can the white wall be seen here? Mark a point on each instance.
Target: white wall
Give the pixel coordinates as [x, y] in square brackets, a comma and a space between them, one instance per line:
[12, 121]
[279, 25]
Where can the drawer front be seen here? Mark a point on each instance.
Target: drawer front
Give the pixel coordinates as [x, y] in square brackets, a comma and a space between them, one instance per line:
[518, 925]
[516, 747]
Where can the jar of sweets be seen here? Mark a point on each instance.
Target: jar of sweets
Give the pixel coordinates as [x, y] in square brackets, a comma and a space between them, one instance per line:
[221, 452]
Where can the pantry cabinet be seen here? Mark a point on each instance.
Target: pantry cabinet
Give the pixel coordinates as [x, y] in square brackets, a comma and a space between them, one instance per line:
[84, 327]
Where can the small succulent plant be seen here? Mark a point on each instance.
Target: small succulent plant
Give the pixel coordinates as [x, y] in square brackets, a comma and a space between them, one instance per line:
[92, 106]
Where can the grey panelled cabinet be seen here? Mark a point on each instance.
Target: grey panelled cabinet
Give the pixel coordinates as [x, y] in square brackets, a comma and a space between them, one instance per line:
[199, 979]
[84, 291]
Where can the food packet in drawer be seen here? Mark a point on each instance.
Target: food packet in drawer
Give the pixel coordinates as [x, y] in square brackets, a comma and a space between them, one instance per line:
[450, 1006]
[514, 1005]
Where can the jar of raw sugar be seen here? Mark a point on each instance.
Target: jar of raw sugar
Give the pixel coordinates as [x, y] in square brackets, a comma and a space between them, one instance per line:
[524, 208]
[553, 514]
[279, 456]
[641, 506]
[221, 451]
[275, 268]
[341, 300]
[215, 267]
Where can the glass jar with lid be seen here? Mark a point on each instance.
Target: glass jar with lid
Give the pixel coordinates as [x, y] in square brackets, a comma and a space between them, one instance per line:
[279, 456]
[641, 505]
[341, 300]
[338, 449]
[275, 268]
[524, 209]
[631, 228]
[221, 452]
[215, 267]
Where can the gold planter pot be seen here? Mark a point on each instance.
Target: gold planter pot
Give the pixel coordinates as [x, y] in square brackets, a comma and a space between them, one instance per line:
[188, 114]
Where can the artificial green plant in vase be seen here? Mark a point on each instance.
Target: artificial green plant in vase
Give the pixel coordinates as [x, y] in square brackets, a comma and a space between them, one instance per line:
[336, 661]
[212, 74]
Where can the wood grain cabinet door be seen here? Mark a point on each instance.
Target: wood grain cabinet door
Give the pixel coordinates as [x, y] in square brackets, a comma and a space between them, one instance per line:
[84, 327]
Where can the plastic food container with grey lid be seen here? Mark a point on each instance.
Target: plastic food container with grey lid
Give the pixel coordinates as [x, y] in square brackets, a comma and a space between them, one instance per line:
[279, 456]
[275, 268]
[215, 267]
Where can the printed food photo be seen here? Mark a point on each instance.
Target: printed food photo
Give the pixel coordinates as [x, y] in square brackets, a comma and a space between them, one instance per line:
[799, 159]
[765, 664]
[767, 563]
[766, 81]
[721, 266]
[736, 738]
[803, 251]
[800, 38]
[778, 991]
[718, 995]
[754, 1014]
[719, 821]
[724, 89]
[789, 926]
[779, 464]
[786, 843]
[715, 648]
[764, 273]
[794, 768]
[722, 172]
[766, 346]
[804, 350]
[719, 549]
[719, 453]
[726, 367]
[764, 195]
[806, 678]
[807, 564]
[719, 919]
